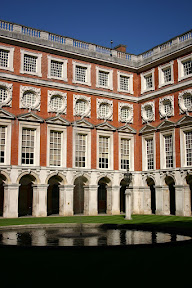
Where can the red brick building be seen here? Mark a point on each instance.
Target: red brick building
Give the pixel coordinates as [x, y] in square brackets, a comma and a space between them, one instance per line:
[75, 116]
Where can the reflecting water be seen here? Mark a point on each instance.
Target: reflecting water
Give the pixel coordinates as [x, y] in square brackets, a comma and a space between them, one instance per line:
[89, 237]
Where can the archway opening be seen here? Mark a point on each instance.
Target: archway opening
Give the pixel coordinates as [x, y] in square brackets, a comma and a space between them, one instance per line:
[171, 184]
[122, 196]
[189, 182]
[151, 184]
[2, 181]
[53, 195]
[25, 202]
[78, 195]
[102, 195]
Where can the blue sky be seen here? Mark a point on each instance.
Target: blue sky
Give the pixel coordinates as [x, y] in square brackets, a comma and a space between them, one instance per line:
[139, 24]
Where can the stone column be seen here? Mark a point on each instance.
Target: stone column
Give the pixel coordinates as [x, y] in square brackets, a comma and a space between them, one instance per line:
[128, 206]
[147, 200]
[179, 200]
[93, 200]
[40, 200]
[115, 200]
[86, 200]
[186, 200]
[11, 194]
[66, 200]
[162, 200]
[109, 200]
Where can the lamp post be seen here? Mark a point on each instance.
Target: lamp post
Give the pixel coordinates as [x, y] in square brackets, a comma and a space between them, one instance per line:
[128, 179]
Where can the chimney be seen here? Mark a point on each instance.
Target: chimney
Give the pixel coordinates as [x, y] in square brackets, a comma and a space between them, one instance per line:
[121, 48]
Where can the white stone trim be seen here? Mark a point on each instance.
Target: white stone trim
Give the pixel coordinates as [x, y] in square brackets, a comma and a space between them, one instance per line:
[64, 68]
[180, 62]
[145, 119]
[143, 81]
[63, 130]
[7, 125]
[130, 107]
[36, 127]
[63, 96]
[130, 76]
[182, 107]
[36, 92]
[183, 159]
[131, 150]
[110, 78]
[110, 104]
[10, 50]
[161, 75]
[88, 73]
[9, 88]
[162, 112]
[87, 100]
[38, 63]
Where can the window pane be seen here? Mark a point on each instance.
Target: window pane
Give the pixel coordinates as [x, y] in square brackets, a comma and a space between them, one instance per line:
[189, 148]
[80, 73]
[169, 151]
[103, 152]
[125, 153]
[2, 144]
[4, 56]
[30, 63]
[150, 156]
[103, 78]
[124, 83]
[27, 146]
[80, 150]
[55, 148]
[56, 69]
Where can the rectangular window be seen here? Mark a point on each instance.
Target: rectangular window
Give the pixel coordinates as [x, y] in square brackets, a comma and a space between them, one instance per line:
[30, 63]
[125, 153]
[124, 83]
[149, 81]
[28, 146]
[169, 151]
[80, 150]
[55, 148]
[80, 73]
[188, 137]
[167, 74]
[103, 152]
[2, 144]
[4, 58]
[56, 69]
[103, 79]
[150, 154]
[187, 66]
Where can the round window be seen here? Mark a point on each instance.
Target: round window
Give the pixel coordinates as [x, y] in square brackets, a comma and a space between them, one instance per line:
[56, 103]
[104, 110]
[81, 107]
[29, 99]
[125, 113]
[3, 94]
[187, 99]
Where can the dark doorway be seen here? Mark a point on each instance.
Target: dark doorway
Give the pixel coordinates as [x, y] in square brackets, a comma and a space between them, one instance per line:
[25, 201]
[102, 198]
[78, 195]
[53, 195]
[171, 184]
[122, 196]
[2, 180]
[189, 182]
[151, 184]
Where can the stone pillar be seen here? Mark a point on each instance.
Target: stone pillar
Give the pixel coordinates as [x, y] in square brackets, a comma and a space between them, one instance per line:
[116, 200]
[159, 200]
[162, 200]
[128, 206]
[93, 200]
[40, 200]
[179, 200]
[109, 200]
[11, 194]
[147, 200]
[186, 200]
[137, 199]
[66, 200]
[86, 200]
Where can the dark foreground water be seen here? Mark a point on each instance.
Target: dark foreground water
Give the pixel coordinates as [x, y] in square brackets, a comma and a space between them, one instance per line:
[87, 237]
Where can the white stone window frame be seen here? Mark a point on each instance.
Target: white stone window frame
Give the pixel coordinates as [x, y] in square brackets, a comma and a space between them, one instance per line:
[107, 102]
[109, 135]
[9, 88]
[87, 76]
[130, 76]
[130, 107]
[145, 119]
[180, 62]
[110, 78]
[63, 96]
[36, 92]
[38, 56]
[63, 130]
[143, 81]
[162, 148]
[87, 112]
[182, 108]
[162, 112]
[87, 132]
[10, 51]
[161, 74]
[36, 128]
[183, 156]
[7, 124]
[64, 68]
[131, 150]
[144, 151]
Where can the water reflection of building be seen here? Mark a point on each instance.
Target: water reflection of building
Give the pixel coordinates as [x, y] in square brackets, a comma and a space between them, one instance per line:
[74, 116]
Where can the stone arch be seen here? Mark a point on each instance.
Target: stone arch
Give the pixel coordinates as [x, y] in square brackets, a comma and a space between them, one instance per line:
[53, 192]
[107, 178]
[63, 178]
[6, 176]
[170, 182]
[150, 181]
[80, 181]
[85, 178]
[169, 175]
[104, 194]
[30, 173]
